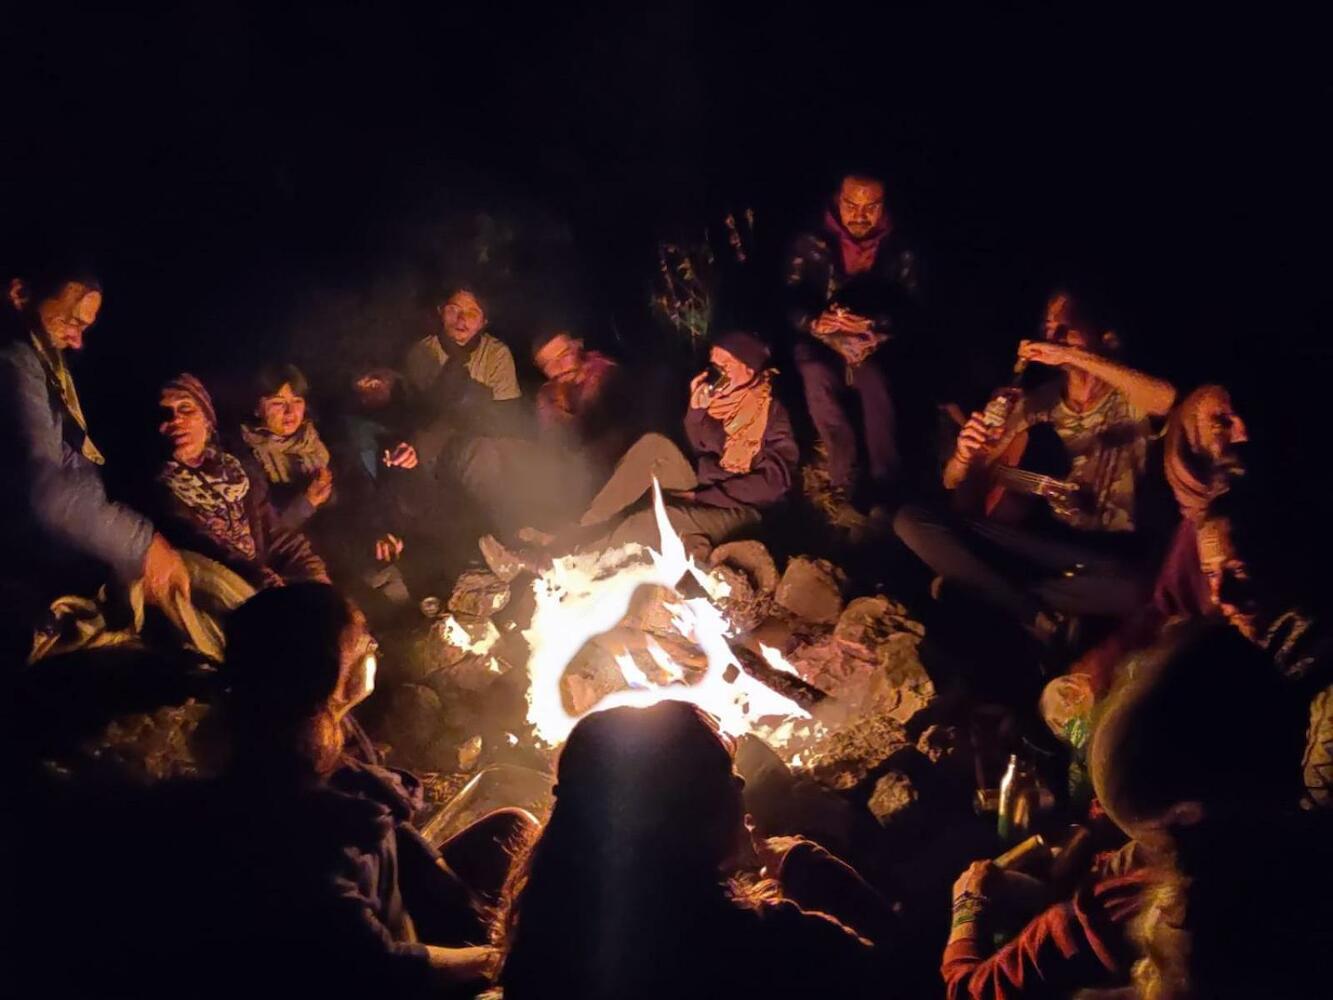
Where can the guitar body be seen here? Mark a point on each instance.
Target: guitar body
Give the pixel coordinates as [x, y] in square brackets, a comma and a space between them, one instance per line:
[1002, 504]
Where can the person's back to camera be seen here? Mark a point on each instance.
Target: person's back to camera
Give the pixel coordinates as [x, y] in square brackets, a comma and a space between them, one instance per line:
[627, 891]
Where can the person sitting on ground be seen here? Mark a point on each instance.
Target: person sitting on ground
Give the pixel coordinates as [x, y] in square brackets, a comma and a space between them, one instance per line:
[850, 288]
[389, 529]
[212, 504]
[287, 446]
[306, 848]
[1190, 910]
[61, 532]
[745, 461]
[1255, 562]
[586, 402]
[1088, 558]
[1202, 458]
[461, 367]
[634, 847]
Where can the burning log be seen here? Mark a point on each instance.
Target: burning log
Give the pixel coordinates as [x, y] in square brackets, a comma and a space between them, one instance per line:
[788, 685]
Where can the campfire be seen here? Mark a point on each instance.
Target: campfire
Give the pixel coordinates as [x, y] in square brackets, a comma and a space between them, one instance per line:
[614, 628]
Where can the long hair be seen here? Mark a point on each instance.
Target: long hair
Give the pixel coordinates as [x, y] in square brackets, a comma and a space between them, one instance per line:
[1170, 767]
[647, 811]
[283, 669]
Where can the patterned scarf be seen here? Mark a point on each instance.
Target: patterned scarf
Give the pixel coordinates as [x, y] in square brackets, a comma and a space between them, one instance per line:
[214, 494]
[57, 373]
[858, 255]
[276, 453]
[743, 414]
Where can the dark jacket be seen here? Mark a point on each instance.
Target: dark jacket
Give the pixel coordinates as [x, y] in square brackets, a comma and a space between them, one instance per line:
[771, 473]
[52, 501]
[815, 280]
[278, 550]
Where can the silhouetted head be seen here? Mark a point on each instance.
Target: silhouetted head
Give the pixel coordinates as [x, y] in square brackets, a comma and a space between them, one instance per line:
[298, 659]
[1190, 744]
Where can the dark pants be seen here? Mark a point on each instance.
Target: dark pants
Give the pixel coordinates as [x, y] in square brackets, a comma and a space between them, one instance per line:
[654, 456]
[1023, 570]
[825, 377]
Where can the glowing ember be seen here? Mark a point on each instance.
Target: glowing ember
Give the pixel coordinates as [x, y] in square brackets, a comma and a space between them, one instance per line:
[582, 596]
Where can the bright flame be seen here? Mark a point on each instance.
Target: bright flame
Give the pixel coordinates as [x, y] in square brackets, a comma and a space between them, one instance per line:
[584, 595]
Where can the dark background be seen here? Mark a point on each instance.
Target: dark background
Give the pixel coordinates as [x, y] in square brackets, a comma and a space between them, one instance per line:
[253, 182]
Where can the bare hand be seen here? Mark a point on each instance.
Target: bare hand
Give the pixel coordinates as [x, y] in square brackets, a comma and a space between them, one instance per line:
[320, 488]
[977, 879]
[976, 438]
[826, 323]
[402, 456]
[388, 548]
[850, 322]
[1047, 352]
[701, 394]
[857, 347]
[164, 575]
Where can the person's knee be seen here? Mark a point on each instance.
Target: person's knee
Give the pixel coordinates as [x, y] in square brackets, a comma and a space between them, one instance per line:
[912, 522]
[653, 444]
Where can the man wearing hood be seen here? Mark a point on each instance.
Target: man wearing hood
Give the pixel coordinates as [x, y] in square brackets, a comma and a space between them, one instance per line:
[849, 286]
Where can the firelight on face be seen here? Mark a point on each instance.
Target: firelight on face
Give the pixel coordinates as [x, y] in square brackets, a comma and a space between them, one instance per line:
[560, 357]
[185, 425]
[462, 317]
[283, 412]
[64, 317]
[860, 205]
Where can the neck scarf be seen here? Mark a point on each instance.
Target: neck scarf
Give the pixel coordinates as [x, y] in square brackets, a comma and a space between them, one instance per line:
[214, 494]
[301, 452]
[743, 414]
[462, 353]
[1189, 468]
[858, 255]
[57, 373]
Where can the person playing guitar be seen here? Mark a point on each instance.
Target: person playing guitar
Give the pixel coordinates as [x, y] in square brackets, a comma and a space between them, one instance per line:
[1079, 561]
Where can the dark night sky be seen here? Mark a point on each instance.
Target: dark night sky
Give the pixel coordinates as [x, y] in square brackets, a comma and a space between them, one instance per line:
[236, 171]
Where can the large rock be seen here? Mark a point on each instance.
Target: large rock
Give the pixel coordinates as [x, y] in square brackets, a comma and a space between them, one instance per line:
[753, 559]
[868, 622]
[900, 687]
[473, 673]
[153, 745]
[745, 605]
[455, 637]
[849, 755]
[479, 593]
[414, 720]
[894, 793]
[938, 743]
[651, 609]
[811, 589]
[825, 663]
[590, 676]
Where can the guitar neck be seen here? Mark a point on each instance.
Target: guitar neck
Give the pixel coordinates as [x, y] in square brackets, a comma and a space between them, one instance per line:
[1022, 481]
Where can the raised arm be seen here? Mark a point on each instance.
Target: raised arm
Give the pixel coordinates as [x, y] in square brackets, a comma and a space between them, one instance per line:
[1152, 395]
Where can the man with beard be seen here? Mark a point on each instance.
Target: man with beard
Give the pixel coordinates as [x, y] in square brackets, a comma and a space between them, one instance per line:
[58, 521]
[851, 286]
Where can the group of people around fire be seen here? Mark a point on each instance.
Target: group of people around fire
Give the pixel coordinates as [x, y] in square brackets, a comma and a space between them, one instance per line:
[289, 531]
